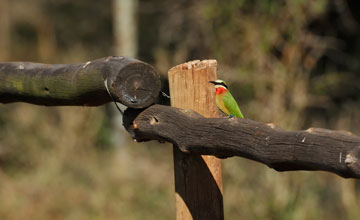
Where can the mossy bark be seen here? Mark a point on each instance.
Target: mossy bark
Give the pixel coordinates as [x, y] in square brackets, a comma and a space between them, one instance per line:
[131, 82]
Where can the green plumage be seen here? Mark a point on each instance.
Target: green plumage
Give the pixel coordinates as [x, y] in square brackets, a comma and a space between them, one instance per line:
[232, 105]
[225, 101]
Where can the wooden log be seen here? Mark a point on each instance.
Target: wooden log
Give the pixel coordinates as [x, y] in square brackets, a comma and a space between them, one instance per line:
[198, 183]
[131, 82]
[312, 149]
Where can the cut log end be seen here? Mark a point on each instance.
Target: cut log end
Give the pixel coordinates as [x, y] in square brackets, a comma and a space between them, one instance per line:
[137, 85]
[132, 82]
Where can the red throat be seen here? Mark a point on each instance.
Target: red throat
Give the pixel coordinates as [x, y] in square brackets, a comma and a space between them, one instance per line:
[220, 90]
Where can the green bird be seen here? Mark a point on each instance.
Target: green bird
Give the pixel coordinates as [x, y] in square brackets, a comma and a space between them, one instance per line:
[225, 101]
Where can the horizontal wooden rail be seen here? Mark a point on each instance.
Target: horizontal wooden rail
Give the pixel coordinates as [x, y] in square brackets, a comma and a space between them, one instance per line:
[133, 83]
[312, 149]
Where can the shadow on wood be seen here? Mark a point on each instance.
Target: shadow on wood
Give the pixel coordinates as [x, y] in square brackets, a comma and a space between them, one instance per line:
[199, 172]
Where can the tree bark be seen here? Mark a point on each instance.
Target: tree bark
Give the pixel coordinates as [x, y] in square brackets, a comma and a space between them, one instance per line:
[312, 149]
[131, 82]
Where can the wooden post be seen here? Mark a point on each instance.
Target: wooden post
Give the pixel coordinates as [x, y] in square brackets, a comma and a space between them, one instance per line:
[198, 182]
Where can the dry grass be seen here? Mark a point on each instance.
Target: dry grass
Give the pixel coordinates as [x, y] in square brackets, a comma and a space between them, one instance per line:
[53, 170]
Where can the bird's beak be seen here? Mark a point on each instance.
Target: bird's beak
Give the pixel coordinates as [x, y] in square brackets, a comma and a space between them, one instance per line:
[213, 82]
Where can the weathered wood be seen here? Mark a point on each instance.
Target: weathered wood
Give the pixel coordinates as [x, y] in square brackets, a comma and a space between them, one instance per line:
[312, 149]
[198, 183]
[131, 82]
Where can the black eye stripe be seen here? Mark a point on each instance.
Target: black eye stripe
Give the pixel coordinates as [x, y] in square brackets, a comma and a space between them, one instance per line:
[219, 83]
[223, 84]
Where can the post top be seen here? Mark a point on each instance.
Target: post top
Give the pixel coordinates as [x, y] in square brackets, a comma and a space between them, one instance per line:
[194, 64]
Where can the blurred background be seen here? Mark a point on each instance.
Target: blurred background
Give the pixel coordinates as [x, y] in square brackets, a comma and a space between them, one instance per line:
[293, 63]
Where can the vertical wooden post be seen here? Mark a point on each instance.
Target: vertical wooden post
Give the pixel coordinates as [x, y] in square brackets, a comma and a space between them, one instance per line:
[198, 182]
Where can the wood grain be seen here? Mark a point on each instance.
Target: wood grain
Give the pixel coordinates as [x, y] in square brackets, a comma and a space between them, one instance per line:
[198, 182]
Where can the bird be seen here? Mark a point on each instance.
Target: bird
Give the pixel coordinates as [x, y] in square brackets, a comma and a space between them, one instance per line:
[225, 101]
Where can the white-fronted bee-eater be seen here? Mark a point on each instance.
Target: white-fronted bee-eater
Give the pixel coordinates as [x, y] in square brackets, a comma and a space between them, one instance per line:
[225, 101]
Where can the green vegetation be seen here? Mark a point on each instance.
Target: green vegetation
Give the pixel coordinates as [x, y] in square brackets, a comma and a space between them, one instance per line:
[293, 63]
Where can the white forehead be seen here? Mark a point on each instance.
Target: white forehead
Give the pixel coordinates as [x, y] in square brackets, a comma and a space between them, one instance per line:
[218, 86]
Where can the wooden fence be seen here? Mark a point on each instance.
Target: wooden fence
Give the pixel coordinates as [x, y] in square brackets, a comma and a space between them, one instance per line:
[192, 124]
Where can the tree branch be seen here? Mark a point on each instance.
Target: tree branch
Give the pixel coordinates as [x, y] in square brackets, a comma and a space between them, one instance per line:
[313, 149]
[131, 82]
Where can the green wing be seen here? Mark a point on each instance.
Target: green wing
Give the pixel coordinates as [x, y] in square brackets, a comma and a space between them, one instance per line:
[231, 104]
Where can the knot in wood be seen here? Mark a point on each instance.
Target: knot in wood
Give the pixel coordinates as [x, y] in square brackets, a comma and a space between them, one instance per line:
[154, 120]
[352, 160]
